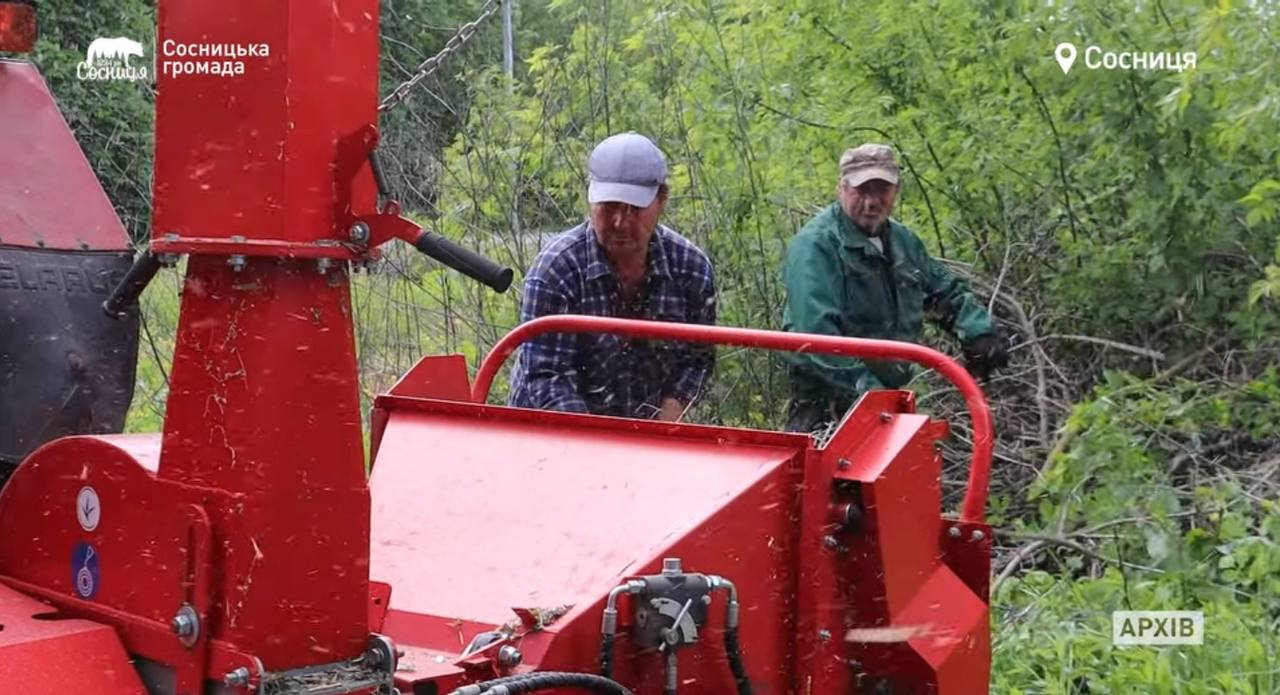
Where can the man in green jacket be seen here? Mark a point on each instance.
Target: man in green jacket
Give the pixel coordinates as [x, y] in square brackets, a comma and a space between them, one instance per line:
[852, 271]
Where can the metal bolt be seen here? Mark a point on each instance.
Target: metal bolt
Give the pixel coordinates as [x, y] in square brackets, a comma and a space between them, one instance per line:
[855, 664]
[671, 566]
[954, 532]
[831, 541]
[359, 233]
[168, 260]
[509, 656]
[843, 464]
[170, 236]
[186, 625]
[236, 261]
[323, 265]
[977, 535]
[885, 416]
[237, 678]
[183, 625]
[671, 636]
[824, 635]
[237, 239]
[706, 599]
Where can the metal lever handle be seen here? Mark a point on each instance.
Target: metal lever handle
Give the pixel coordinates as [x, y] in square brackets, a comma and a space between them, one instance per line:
[130, 288]
[465, 261]
[379, 178]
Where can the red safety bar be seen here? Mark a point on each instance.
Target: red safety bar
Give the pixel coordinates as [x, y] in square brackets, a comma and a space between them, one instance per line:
[975, 497]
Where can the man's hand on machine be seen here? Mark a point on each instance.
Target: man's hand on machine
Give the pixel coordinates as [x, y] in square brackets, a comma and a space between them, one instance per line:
[984, 354]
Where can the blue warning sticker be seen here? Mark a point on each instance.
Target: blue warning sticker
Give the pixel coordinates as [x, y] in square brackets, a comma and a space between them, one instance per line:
[85, 574]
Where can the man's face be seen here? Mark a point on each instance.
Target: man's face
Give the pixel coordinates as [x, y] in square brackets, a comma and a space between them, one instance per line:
[868, 204]
[624, 230]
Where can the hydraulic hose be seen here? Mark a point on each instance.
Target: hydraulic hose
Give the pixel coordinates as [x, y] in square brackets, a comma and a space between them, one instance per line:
[606, 655]
[609, 624]
[732, 649]
[547, 680]
[734, 652]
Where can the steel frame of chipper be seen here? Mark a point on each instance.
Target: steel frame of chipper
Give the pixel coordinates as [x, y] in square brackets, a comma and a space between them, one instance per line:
[244, 548]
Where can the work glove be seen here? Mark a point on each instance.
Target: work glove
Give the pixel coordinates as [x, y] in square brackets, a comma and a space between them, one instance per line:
[984, 354]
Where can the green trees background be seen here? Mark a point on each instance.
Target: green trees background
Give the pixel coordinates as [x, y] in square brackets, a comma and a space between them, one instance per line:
[1121, 224]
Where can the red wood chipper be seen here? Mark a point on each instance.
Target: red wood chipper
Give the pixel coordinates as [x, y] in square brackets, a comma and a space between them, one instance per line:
[490, 549]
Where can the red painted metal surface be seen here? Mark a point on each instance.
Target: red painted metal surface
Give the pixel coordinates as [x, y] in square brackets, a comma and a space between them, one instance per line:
[567, 506]
[974, 507]
[263, 399]
[49, 196]
[275, 156]
[252, 507]
[296, 563]
[436, 376]
[18, 28]
[151, 542]
[43, 652]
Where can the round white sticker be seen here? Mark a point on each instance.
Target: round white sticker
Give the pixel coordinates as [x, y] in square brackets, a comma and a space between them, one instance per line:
[88, 509]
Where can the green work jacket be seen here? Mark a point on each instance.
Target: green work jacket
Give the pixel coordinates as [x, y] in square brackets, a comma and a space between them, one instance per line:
[839, 283]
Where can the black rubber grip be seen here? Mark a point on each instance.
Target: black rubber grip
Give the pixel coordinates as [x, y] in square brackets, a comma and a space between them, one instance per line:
[379, 178]
[465, 261]
[130, 288]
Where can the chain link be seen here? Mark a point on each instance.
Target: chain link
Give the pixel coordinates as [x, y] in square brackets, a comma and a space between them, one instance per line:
[430, 65]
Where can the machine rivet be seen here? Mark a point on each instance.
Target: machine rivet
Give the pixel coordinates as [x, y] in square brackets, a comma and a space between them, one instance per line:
[824, 635]
[168, 260]
[706, 599]
[831, 541]
[323, 265]
[359, 233]
[977, 535]
[885, 416]
[236, 261]
[954, 532]
[509, 656]
[237, 678]
[671, 566]
[843, 464]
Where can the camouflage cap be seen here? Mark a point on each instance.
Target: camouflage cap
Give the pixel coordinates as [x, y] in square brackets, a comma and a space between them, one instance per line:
[868, 161]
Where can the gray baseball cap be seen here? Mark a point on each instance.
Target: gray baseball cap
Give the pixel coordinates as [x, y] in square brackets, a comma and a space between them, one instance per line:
[868, 161]
[626, 168]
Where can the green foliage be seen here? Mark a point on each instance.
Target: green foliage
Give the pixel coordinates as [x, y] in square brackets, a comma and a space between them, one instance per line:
[1091, 186]
[1165, 539]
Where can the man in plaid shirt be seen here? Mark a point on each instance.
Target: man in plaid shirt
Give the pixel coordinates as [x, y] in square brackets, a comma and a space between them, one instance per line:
[620, 263]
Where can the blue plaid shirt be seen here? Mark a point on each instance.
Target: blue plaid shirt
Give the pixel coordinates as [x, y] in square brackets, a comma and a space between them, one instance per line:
[609, 374]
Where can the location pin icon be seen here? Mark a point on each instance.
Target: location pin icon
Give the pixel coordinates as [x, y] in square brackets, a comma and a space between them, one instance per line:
[1066, 55]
